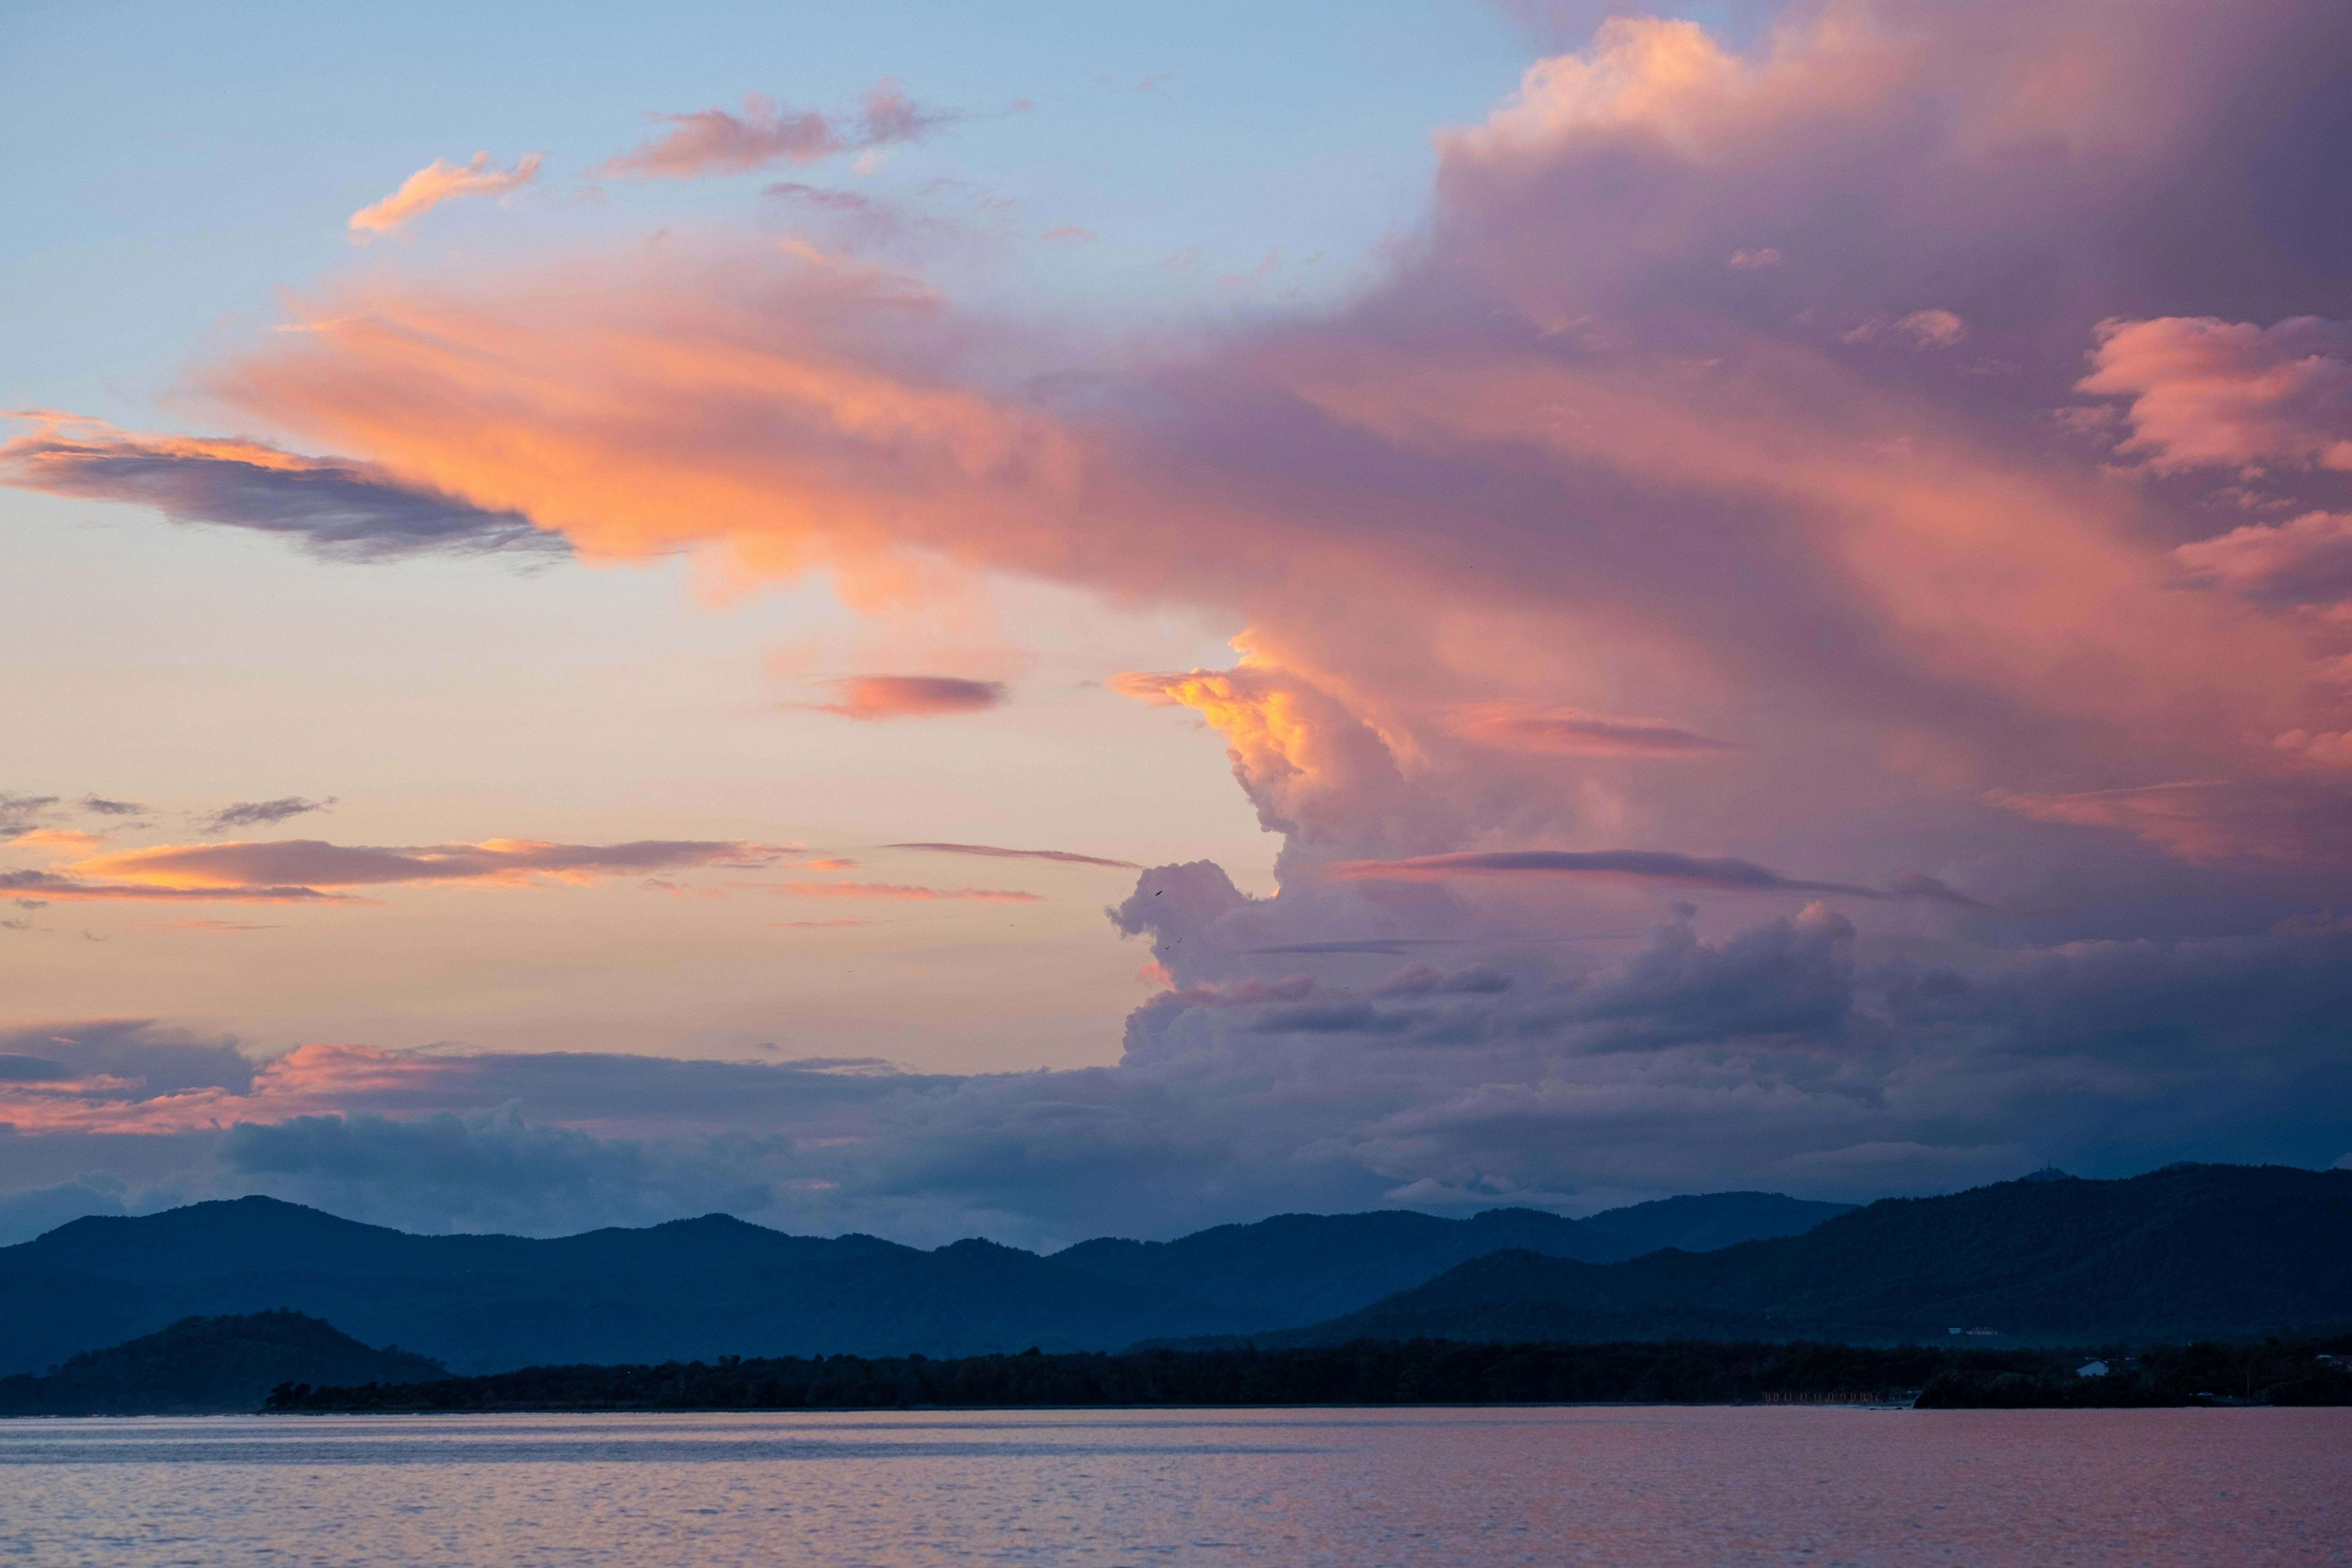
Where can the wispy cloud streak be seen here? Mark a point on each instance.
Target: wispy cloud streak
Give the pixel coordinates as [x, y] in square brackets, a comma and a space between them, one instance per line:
[711, 141]
[1064, 856]
[509, 862]
[338, 510]
[906, 697]
[1628, 865]
[261, 813]
[899, 892]
[439, 181]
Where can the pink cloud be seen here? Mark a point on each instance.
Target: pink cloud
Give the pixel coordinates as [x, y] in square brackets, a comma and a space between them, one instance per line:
[2305, 561]
[436, 183]
[1553, 458]
[2206, 391]
[1072, 231]
[311, 1080]
[2210, 821]
[817, 925]
[1267, 265]
[712, 141]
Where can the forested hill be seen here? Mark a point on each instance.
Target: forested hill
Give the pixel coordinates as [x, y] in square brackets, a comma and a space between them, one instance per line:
[2220, 1251]
[717, 1286]
[207, 1366]
[1289, 1268]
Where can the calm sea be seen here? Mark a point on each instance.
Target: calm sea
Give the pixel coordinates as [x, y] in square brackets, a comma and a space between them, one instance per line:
[1462, 1487]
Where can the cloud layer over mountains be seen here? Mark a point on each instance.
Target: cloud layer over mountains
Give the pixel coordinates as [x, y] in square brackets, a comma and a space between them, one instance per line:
[1800, 637]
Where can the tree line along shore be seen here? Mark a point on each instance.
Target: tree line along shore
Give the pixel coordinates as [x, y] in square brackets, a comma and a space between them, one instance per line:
[1420, 1371]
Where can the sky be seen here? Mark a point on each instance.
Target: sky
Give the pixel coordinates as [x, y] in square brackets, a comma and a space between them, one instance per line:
[1045, 621]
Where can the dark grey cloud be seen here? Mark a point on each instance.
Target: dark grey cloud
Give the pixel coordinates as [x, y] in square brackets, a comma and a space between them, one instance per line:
[872, 697]
[102, 806]
[1389, 946]
[20, 814]
[80, 891]
[1171, 902]
[712, 141]
[1421, 980]
[489, 1172]
[336, 510]
[1783, 978]
[154, 1057]
[32, 1070]
[1064, 856]
[260, 813]
[1721, 871]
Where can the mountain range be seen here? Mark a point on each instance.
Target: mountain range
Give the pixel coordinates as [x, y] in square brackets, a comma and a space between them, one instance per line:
[704, 1288]
[2188, 1252]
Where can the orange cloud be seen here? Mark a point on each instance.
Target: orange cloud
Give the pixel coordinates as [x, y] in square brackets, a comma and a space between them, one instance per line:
[601, 407]
[294, 870]
[436, 183]
[60, 842]
[504, 860]
[1585, 500]
[817, 925]
[1307, 763]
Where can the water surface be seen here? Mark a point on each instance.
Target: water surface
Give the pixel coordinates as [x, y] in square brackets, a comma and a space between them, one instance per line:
[1468, 1489]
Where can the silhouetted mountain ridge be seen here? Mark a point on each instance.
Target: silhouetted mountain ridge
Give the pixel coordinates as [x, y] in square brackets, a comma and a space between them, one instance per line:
[2218, 1251]
[713, 1286]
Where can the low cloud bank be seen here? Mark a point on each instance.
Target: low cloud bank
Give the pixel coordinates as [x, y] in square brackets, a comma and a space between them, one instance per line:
[1794, 1052]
